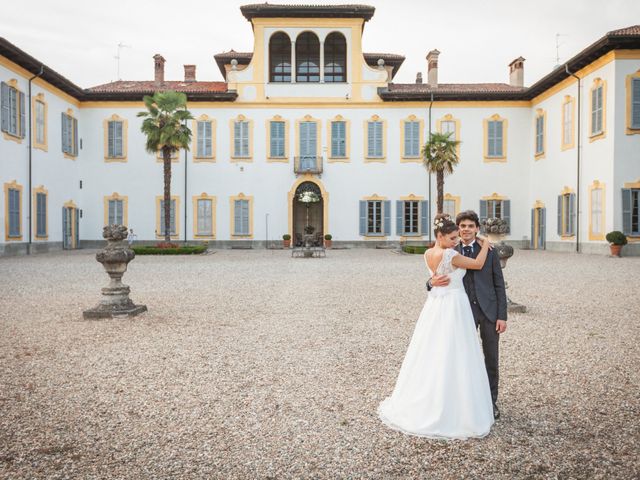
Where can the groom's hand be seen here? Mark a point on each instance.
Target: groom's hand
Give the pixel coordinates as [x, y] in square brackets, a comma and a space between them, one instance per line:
[501, 326]
[439, 280]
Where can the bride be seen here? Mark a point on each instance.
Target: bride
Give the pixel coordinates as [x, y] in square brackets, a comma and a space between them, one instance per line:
[442, 389]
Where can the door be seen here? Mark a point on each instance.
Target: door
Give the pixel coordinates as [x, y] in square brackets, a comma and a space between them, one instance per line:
[69, 228]
[538, 228]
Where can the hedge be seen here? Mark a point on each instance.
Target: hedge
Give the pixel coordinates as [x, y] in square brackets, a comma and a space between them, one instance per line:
[188, 250]
[415, 249]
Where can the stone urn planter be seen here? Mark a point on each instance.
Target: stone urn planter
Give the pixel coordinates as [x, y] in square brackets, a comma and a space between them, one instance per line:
[114, 258]
[286, 240]
[616, 240]
[327, 240]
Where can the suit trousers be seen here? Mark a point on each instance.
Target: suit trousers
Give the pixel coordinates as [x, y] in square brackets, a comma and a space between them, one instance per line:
[490, 339]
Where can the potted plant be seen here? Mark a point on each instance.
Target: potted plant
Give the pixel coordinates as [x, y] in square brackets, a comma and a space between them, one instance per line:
[327, 240]
[616, 240]
[286, 240]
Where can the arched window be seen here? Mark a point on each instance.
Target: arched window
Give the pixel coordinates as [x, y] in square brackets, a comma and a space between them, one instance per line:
[280, 58]
[335, 58]
[307, 58]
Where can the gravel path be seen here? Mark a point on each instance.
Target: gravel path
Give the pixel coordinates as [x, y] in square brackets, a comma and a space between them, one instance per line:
[250, 364]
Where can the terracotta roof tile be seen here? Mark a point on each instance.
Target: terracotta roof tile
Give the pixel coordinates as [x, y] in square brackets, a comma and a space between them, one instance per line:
[454, 88]
[149, 86]
[632, 30]
[269, 10]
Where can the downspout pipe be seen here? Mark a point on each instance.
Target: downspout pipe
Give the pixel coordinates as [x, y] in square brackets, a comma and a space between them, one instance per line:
[566, 69]
[185, 196]
[428, 140]
[29, 212]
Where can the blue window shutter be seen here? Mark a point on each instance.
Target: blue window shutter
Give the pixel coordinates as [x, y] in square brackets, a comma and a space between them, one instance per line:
[399, 217]
[626, 211]
[499, 138]
[483, 209]
[245, 139]
[560, 232]
[572, 214]
[76, 222]
[491, 139]
[200, 139]
[5, 106]
[304, 139]
[118, 139]
[363, 218]
[533, 228]
[41, 217]
[208, 139]
[408, 137]
[635, 103]
[112, 212]
[74, 145]
[594, 111]
[111, 139]
[387, 217]
[313, 139]
[237, 141]
[65, 132]
[506, 213]
[424, 217]
[273, 130]
[600, 92]
[14, 213]
[543, 228]
[334, 139]
[245, 217]
[370, 139]
[22, 116]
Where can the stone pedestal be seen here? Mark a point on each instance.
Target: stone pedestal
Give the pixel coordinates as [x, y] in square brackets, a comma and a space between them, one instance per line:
[115, 257]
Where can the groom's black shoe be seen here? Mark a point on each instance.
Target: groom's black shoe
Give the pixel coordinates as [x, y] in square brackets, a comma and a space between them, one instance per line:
[496, 412]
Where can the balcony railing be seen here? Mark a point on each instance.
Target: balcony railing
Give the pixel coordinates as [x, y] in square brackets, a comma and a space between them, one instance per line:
[307, 164]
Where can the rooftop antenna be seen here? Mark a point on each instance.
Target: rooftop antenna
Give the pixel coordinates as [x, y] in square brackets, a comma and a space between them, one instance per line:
[117, 57]
[558, 45]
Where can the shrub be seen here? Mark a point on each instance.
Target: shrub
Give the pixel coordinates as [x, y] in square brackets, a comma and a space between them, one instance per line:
[415, 249]
[616, 238]
[328, 236]
[166, 245]
[185, 250]
[286, 236]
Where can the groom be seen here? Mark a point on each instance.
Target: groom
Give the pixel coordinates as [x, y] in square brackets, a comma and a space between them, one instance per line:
[487, 296]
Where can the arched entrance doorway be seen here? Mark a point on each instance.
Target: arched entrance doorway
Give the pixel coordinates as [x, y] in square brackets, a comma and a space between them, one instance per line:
[308, 213]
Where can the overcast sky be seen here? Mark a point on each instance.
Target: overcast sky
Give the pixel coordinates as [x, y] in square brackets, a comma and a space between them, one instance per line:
[477, 38]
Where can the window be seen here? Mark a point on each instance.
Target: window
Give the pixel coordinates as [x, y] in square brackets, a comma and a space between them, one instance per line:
[115, 139]
[308, 144]
[172, 213]
[375, 217]
[14, 213]
[375, 139]
[411, 216]
[40, 122]
[496, 207]
[307, 58]
[204, 139]
[449, 125]
[241, 217]
[596, 203]
[540, 118]
[450, 206]
[241, 139]
[411, 139]
[335, 58]
[280, 58]
[339, 139]
[495, 139]
[277, 139]
[13, 110]
[41, 214]
[633, 103]
[631, 211]
[205, 217]
[116, 212]
[597, 109]
[69, 135]
[566, 214]
[567, 123]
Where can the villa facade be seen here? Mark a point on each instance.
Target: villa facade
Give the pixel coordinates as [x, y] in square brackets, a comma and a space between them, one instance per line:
[310, 111]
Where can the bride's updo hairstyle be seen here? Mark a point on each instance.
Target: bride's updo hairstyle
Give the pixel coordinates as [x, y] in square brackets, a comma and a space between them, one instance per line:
[443, 224]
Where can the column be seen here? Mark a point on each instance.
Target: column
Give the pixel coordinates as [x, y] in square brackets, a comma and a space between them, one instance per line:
[293, 62]
[322, 62]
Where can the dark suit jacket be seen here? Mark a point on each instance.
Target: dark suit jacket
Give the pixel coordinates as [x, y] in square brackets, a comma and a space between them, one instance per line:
[489, 285]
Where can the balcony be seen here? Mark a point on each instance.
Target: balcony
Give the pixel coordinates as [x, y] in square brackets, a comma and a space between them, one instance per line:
[307, 164]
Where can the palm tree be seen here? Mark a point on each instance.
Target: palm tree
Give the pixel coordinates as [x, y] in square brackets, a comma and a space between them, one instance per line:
[440, 156]
[165, 126]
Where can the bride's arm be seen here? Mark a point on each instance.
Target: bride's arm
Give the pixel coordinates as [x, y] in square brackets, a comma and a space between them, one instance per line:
[477, 263]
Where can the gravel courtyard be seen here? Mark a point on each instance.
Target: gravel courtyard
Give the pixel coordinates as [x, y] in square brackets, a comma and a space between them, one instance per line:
[251, 364]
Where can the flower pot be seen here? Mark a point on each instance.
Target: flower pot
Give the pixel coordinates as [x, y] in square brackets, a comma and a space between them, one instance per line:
[286, 243]
[615, 250]
[327, 243]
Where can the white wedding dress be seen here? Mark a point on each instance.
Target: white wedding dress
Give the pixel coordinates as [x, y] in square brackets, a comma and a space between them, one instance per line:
[442, 389]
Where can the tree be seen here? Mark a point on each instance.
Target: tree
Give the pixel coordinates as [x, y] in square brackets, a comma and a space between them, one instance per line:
[167, 132]
[440, 156]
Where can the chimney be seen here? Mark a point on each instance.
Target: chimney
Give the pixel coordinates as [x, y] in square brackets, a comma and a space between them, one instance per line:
[432, 68]
[189, 73]
[158, 62]
[419, 77]
[516, 72]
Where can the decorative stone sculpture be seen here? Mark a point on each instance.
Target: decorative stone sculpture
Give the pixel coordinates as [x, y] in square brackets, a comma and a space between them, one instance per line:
[505, 252]
[115, 257]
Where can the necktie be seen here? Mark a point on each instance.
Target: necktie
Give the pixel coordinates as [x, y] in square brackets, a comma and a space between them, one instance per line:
[466, 251]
